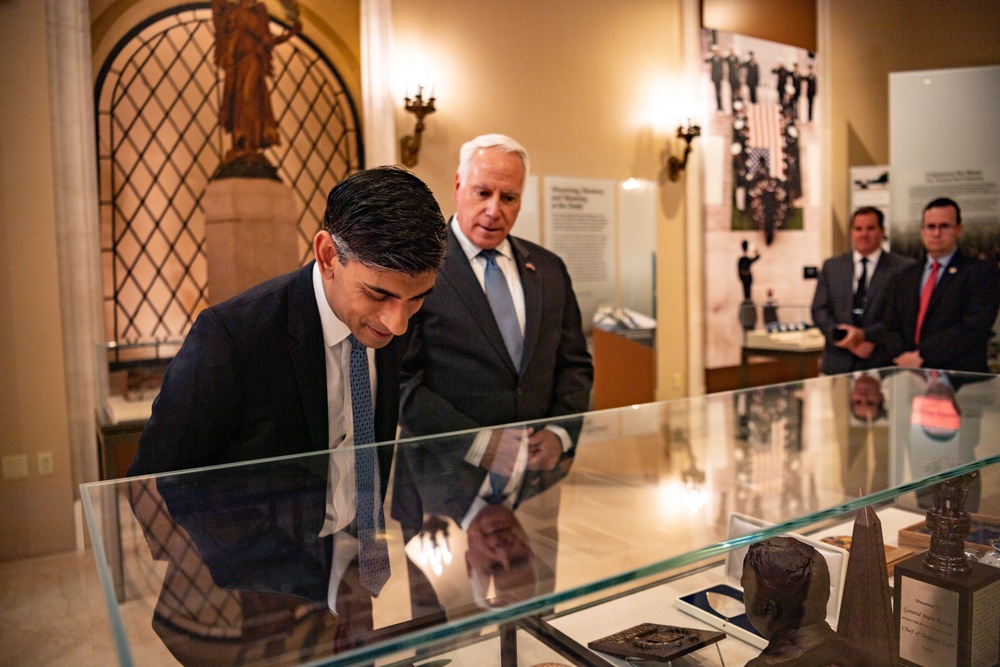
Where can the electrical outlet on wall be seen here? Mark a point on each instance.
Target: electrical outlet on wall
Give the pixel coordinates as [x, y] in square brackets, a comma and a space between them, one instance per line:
[45, 464]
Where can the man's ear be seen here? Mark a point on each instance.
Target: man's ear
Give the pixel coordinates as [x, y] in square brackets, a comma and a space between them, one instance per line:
[325, 253]
[771, 609]
[458, 186]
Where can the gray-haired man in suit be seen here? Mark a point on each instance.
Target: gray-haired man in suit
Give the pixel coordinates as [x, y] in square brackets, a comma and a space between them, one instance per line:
[850, 301]
[467, 367]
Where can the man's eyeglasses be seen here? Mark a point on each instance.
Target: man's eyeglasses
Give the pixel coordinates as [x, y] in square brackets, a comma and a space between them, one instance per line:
[943, 228]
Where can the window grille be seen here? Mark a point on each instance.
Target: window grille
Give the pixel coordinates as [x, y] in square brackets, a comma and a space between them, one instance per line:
[159, 142]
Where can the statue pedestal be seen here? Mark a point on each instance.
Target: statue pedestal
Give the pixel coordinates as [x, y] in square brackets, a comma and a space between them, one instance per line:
[251, 234]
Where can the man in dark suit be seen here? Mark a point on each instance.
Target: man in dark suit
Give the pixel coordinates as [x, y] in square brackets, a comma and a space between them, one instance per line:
[752, 69]
[945, 308]
[715, 59]
[467, 368]
[810, 82]
[850, 299]
[265, 373]
[733, 66]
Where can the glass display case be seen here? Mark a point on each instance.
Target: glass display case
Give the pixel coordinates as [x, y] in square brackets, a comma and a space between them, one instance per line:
[232, 565]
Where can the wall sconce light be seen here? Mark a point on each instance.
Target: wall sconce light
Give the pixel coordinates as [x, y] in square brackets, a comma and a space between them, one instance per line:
[409, 146]
[676, 166]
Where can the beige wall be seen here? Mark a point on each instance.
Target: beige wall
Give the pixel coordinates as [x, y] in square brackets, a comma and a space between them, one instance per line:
[868, 40]
[36, 514]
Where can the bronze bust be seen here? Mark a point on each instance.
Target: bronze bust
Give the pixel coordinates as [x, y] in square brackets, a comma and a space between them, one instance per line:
[786, 586]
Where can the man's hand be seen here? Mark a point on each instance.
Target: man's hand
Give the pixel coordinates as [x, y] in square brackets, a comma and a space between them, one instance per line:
[910, 359]
[855, 342]
[863, 349]
[853, 337]
[501, 453]
[544, 449]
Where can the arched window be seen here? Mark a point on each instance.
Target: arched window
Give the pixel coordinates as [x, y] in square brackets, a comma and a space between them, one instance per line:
[159, 142]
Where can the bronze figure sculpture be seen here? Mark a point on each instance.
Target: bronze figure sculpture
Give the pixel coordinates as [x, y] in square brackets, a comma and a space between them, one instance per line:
[243, 46]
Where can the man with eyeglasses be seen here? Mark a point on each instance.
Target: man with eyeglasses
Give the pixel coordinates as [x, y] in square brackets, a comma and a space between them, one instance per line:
[946, 306]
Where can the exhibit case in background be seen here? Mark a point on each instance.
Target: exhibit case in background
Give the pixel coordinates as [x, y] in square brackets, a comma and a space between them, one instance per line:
[227, 565]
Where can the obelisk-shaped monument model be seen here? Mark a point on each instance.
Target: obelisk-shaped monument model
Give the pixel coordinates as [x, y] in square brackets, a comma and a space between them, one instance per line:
[866, 618]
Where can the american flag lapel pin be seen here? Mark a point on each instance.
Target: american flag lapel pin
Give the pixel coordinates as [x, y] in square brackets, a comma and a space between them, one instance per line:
[529, 266]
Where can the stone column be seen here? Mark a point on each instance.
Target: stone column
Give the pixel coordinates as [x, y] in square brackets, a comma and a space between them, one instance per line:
[251, 233]
[74, 165]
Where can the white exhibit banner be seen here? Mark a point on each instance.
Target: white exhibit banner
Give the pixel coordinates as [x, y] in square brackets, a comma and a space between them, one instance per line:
[579, 226]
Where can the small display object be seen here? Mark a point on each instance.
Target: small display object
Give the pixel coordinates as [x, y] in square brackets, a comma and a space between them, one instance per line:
[893, 554]
[721, 605]
[993, 557]
[659, 643]
[866, 618]
[947, 606]
[797, 336]
[983, 529]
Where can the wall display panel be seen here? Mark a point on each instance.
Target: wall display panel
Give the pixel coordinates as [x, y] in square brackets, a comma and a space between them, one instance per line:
[762, 153]
[579, 224]
[954, 114]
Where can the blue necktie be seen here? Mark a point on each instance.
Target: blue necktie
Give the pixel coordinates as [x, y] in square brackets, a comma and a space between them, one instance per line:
[373, 555]
[498, 486]
[503, 307]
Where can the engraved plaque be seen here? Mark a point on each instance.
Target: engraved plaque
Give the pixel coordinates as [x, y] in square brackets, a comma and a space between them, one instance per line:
[947, 620]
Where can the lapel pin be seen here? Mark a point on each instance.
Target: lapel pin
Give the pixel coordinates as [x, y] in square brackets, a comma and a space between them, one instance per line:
[952, 269]
[529, 266]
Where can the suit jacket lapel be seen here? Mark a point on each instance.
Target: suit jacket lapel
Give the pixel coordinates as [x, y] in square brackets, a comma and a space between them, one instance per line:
[458, 272]
[948, 276]
[305, 348]
[875, 284]
[531, 283]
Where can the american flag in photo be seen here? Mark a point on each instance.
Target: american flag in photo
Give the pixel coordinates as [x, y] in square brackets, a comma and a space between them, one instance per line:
[764, 123]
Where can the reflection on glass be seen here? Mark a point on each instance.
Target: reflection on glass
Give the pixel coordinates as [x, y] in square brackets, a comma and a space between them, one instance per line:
[227, 565]
[867, 399]
[942, 433]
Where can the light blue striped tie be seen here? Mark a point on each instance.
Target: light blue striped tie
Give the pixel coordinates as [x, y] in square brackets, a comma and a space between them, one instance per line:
[373, 555]
[503, 307]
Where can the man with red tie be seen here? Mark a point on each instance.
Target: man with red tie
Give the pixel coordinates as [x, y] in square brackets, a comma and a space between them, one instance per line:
[946, 306]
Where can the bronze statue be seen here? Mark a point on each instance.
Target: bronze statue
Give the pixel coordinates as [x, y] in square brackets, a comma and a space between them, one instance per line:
[786, 586]
[243, 46]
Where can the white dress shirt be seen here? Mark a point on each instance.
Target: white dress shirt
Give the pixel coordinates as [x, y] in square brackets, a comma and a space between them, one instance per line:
[872, 263]
[341, 495]
[505, 260]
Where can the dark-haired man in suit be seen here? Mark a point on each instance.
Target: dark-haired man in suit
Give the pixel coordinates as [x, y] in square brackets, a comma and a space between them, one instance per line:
[500, 340]
[946, 307]
[850, 299]
[265, 373]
